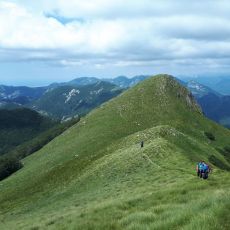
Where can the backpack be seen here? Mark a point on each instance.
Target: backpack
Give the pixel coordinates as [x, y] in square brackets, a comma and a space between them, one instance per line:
[205, 167]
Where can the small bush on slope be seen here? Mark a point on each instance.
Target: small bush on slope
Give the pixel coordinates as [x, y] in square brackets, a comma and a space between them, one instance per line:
[8, 165]
[210, 136]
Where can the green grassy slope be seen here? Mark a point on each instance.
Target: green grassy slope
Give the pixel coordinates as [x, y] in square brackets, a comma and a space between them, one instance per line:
[96, 176]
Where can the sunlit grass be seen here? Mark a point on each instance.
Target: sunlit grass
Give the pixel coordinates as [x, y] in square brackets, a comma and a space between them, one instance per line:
[96, 175]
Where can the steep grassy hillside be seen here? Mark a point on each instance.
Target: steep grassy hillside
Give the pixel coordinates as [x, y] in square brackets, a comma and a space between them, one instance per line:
[96, 176]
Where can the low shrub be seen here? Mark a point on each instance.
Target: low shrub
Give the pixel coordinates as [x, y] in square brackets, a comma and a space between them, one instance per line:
[210, 136]
[9, 165]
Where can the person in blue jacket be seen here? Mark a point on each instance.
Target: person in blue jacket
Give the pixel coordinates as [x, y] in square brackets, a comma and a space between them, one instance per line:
[205, 171]
[202, 170]
[199, 168]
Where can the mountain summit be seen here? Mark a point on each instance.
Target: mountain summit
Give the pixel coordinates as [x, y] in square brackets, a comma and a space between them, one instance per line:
[97, 176]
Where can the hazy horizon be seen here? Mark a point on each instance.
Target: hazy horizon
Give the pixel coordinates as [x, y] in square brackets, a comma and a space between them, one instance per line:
[49, 82]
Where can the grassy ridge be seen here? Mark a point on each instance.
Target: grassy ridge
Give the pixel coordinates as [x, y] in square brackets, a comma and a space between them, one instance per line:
[96, 176]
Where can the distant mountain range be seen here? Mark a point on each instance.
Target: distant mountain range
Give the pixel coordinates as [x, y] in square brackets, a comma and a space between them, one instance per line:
[79, 96]
[20, 95]
[220, 84]
[199, 90]
[121, 81]
[63, 100]
[214, 105]
[216, 108]
[69, 100]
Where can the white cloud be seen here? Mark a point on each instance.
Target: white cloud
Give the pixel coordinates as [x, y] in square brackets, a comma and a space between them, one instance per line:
[138, 8]
[103, 32]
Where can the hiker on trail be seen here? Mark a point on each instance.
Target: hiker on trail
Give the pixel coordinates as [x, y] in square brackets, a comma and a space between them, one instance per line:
[206, 170]
[202, 170]
[199, 169]
[142, 144]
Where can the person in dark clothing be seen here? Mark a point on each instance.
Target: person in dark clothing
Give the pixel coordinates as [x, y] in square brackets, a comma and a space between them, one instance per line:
[199, 169]
[206, 170]
[142, 144]
[203, 170]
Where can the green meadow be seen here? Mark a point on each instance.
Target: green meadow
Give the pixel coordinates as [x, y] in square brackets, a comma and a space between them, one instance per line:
[96, 176]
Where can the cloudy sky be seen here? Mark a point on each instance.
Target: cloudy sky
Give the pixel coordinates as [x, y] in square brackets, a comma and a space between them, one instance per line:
[44, 41]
